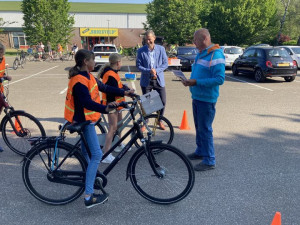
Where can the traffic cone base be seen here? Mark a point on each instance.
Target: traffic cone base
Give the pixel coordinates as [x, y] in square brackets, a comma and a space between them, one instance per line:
[276, 219]
[184, 123]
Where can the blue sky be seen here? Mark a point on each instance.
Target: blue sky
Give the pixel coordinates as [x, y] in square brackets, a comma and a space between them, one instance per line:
[105, 1]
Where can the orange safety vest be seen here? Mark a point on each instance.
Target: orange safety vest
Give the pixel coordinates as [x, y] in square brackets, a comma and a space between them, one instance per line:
[91, 84]
[2, 71]
[120, 85]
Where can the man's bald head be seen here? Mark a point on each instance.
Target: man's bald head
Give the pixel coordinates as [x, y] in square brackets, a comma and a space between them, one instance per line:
[202, 39]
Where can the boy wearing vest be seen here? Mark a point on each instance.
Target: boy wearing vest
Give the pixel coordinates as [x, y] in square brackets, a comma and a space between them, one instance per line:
[109, 75]
[2, 73]
[82, 104]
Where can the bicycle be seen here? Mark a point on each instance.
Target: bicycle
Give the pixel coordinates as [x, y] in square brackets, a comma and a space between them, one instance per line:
[54, 171]
[132, 54]
[20, 60]
[101, 125]
[17, 126]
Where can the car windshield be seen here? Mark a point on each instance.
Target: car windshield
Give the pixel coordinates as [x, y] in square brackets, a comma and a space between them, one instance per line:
[296, 50]
[187, 51]
[233, 51]
[278, 52]
[104, 49]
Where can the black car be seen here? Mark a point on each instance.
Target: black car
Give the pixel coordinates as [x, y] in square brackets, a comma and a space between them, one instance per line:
[187, 56]
[265, 62]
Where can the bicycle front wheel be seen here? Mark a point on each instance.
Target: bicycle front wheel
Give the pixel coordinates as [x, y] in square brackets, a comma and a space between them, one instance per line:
[17, 128]
[43, 183]
[16, 64]
[177, 174]
[166, 136]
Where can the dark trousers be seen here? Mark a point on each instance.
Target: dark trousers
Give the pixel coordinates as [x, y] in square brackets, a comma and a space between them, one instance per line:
[161, 91]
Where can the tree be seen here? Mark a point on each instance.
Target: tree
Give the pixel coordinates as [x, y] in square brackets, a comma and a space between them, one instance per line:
[176, 20]
[237, 22]
[47, 20]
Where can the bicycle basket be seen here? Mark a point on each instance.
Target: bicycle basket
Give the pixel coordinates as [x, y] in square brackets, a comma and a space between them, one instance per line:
[150, 102]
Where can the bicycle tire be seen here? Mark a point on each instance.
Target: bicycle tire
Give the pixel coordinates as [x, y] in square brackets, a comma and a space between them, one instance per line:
[73, 138]
[16, 64]
[32, 128]
[178, 176]
[30, 57]
[37, 177]
[166, 135]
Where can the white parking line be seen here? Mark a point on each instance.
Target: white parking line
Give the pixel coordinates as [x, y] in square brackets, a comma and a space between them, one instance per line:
[31, 75]
[249, 83]
[63, 91]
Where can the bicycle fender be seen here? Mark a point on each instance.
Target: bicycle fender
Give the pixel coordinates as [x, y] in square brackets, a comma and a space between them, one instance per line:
[128, 171]
[10, 114]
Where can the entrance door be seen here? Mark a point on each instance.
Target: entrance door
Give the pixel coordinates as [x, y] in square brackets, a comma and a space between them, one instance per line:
[92, 41]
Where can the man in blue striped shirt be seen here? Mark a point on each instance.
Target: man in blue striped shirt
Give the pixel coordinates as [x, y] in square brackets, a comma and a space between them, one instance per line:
[208, 73]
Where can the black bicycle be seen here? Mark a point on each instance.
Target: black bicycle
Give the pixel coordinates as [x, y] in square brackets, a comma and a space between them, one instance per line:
[54, 171]
[17, 126]
[20, 60]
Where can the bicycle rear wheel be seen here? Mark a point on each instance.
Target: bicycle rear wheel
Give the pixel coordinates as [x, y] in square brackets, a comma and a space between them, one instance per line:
[39, 179]
[28, 127]
[177, 178]
[73, 138]
[166, 136]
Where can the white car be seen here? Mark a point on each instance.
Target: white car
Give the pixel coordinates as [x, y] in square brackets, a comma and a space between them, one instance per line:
[231, 53]
[294, 52]
[102, 53]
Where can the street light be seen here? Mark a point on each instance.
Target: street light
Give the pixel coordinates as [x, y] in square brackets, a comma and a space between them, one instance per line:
[108, 31]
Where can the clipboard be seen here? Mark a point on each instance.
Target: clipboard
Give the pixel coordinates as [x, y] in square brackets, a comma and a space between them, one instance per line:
[179, 74]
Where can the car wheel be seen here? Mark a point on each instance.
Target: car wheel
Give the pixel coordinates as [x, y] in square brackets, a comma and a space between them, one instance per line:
[259, 76]
[235, 71]
[290, 78]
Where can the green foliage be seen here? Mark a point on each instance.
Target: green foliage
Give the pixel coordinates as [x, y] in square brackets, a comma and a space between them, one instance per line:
[237, 22]
[176, 20]
[290, 42]
[47, 20]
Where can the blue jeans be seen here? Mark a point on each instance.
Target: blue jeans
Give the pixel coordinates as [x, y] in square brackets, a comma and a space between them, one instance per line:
[204, 114]
[90, 135]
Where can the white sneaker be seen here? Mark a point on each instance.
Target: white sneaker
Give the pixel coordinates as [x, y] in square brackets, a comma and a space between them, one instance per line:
[120, 148]
[108, 159]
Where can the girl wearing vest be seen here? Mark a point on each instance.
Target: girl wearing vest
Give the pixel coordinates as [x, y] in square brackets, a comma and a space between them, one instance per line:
[2, 72]
[109, 75]
[82, 104]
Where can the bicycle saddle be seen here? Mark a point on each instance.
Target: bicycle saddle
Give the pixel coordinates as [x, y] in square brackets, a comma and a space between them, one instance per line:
[77, 127]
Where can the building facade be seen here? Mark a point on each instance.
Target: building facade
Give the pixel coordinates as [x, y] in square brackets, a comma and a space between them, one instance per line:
[124, 29]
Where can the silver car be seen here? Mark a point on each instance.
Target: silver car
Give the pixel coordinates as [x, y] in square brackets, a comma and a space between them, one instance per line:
[294, 52]
[231, 53]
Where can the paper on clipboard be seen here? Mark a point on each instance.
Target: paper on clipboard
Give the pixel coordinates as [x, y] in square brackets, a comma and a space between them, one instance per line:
[179, 74]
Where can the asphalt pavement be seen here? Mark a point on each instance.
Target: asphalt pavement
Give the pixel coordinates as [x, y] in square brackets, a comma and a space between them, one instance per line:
[256, 133]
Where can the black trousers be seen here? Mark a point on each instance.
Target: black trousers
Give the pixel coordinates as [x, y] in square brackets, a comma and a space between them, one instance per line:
[161, 91]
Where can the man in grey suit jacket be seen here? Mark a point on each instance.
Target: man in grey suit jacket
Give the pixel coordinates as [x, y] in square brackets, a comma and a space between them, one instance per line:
[152, 60]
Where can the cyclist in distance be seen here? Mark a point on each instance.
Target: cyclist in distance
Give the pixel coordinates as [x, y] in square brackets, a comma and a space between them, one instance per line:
[83, 104]
[2, 74]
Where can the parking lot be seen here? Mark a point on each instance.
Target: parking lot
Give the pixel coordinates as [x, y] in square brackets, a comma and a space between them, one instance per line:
[256, 133]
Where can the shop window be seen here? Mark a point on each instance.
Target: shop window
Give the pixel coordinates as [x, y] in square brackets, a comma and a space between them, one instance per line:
[19, 40]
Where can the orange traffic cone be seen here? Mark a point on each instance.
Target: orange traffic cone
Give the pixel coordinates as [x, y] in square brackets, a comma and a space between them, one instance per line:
[17, 125]
[276, 219]
[184, 123]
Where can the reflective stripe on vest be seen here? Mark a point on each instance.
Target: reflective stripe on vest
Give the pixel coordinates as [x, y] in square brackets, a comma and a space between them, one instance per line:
[120, 85]
[92, 86]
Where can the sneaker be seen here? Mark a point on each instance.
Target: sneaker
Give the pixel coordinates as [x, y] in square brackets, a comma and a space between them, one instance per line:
[1, 149]
[203, 167]
[194, 156]
[95, 200]
[120, 148]
[108, 159]
[161, 125]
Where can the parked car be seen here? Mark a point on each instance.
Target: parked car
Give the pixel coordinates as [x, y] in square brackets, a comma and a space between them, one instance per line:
[266, 62]
[187, 55]
[231, 53]
[294, 52]
[102, 53]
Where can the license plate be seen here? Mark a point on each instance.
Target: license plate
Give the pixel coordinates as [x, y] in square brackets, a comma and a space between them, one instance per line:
[283, 64]
[104, 56]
